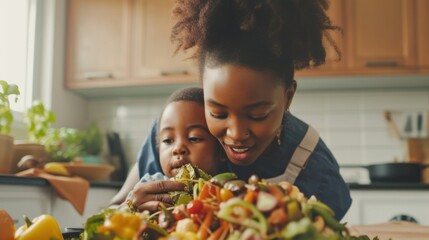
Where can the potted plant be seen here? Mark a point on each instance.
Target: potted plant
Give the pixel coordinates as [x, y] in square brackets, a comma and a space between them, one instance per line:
[38, 120]
[63, 144]
[92, 144]
[6, 120]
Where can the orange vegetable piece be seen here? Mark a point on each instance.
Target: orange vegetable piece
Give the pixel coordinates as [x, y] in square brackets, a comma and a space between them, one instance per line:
[204, 229]
[7, 226]
[208, 191]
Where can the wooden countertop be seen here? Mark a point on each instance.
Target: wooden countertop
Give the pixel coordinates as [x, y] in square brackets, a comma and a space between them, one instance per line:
[392, 230]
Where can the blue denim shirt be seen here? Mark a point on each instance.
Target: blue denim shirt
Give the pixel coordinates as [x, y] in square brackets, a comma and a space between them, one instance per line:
[321, 176]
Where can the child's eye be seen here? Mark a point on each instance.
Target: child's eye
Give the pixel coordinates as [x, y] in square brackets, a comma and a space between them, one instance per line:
[195, 139]
[218, 116]
[167, 141]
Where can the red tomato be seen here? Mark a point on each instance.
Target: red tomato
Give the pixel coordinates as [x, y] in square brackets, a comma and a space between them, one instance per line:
[194, 206]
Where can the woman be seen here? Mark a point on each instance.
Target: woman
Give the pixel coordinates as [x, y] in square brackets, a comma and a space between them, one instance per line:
[247, 52]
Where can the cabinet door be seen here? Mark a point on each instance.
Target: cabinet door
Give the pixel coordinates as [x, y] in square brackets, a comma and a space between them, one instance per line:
[336, 15]
[422, 24]
[380, 33]
[153, 51]
[31, 201]
[98, 40]
[373, 207]
[97, 199]
[334, 42]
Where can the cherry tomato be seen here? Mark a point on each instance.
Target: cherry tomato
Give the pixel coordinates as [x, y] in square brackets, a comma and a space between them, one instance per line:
[194, 206]
[225, 194]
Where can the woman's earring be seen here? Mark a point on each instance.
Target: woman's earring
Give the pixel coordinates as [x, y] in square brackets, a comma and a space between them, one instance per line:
[279, 135]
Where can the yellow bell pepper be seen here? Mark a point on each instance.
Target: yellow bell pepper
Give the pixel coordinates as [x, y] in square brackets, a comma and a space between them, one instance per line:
[123, 225]
[43, 227]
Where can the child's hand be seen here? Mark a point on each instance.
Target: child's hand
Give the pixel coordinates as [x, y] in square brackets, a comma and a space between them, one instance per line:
[148, 195]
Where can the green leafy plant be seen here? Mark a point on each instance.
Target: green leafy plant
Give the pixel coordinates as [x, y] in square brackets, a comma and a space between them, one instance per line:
[92, 140]
[38, 120]
[6, 117]
[63, 144]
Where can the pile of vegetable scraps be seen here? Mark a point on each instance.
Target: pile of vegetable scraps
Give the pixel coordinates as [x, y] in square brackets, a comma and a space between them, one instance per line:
[224, 207]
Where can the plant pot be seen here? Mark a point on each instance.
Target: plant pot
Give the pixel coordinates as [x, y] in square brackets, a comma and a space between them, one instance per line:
[6, 153]
[22, 149]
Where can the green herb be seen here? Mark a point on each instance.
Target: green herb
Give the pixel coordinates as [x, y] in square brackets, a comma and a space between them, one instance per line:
[6, 117]
[38, 120]
[188, 175]
[63, 144]
[92, 141]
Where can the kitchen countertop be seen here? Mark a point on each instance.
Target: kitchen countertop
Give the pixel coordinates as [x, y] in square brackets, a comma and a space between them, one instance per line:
[7, 179]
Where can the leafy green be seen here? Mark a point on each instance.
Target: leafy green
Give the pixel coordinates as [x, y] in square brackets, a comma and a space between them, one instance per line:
[6, 117]
[91, 224]
[38, 120]
[92, 141]
[63, 144]
[188, 175]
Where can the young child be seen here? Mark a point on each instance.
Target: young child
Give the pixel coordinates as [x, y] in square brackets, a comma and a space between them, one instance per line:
[183, 137]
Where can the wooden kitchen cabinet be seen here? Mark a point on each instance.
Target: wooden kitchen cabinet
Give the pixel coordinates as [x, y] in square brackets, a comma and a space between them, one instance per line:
[380, 33]
[334, 61]
[117, 43]
[98, 41]
[422, 26]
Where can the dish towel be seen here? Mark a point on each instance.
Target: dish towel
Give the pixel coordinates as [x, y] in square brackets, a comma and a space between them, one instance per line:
[72, 189]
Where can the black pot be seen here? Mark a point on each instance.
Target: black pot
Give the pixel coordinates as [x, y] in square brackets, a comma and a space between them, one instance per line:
[396, 172]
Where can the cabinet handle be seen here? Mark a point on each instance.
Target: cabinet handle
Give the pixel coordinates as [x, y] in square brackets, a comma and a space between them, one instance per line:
[95, 75]
[381, 63]
[174, 72]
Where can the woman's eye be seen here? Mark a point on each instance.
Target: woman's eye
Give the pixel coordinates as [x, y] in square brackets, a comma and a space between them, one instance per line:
[218, 116]
[195, 139]
[167, 141]
[258, 117]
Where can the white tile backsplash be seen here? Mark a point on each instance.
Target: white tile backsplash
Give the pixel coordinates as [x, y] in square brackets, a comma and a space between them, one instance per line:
[350, 122]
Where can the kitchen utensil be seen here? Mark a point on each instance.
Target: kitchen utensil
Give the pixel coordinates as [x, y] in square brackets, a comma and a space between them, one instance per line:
[392, 125]
[408, 129]
[396, 172]
[419, 124]
[116, 151]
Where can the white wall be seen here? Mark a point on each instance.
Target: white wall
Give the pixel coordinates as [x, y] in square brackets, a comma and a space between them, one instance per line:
[350, 122]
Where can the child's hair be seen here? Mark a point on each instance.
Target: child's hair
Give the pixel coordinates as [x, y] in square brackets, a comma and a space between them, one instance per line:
[190, 94]
[273, 35]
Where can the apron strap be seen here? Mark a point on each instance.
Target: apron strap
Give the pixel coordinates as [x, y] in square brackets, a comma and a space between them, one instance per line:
[299, 157]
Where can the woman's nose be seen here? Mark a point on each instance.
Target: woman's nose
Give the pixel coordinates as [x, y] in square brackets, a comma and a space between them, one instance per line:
[238, 132]
[180, 149]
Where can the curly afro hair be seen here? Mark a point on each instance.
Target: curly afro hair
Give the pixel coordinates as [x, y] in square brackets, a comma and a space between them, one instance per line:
[274, 35]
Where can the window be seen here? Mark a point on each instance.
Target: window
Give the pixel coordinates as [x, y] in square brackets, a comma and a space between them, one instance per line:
[17, 24]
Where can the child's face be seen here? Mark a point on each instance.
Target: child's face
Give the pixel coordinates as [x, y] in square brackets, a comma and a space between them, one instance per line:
[185, 138]
[244, 109]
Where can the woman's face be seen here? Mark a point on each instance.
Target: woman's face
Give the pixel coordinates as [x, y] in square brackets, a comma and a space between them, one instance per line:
[184, 138]
[244, 109]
